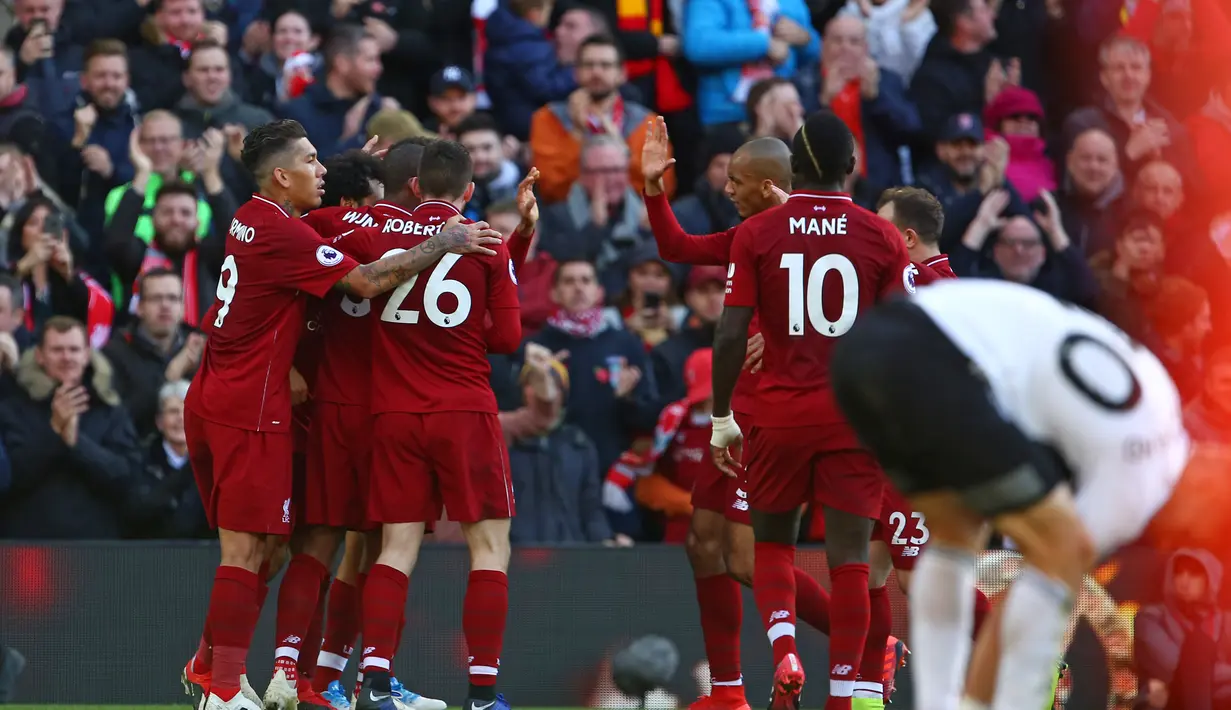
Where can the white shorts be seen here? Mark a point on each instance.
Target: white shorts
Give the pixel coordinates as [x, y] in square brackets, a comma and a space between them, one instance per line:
[1126, 460]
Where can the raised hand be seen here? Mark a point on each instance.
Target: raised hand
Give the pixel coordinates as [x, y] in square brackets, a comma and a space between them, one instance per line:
[140, 161]
[527, 203]
[97, 160]
[656, 152]
[473, 238]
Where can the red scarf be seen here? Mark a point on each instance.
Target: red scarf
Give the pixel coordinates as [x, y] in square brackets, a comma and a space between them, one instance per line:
[155, 259]
[594, 124]
[633, 465]
[586, 324]
[99, 312]
[764, 13]
[848, 106]
[15, 98]
[647, 16]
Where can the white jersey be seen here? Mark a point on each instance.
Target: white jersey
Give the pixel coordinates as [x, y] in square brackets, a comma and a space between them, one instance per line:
[1073, 381]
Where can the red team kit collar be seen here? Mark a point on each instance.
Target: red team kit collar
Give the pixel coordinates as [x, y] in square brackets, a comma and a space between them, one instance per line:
[440, 203]
[271, 203]
[391, 206]
[809, 194]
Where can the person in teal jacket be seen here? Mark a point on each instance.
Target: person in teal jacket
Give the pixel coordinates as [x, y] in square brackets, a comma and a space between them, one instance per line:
[732, 47]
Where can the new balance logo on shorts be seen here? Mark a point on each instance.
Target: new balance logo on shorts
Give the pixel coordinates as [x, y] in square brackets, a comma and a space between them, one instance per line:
[740, 505]
[841, 669]
[780, 614]
[291, 639]
[910, 551]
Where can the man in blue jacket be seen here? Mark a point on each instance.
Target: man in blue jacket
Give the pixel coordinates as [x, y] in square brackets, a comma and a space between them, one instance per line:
[732, 48]
[336, 109]
[522, 70]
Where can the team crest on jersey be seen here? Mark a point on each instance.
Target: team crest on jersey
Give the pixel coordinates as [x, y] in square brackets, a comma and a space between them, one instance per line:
[328, 256]
[908, 278]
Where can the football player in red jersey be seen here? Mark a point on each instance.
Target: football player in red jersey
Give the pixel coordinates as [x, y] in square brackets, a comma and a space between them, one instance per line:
[437, 441]
[919, 218]
[808, 268]
[720, 546]
[238, 410]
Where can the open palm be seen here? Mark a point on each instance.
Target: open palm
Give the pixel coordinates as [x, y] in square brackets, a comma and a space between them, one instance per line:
[656, 154]
[527, 205]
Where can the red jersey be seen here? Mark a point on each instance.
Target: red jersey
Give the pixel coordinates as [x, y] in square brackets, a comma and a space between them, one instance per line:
[307, 355]
[934, 269]
[810, 267]
[273, 262]
[344, 367]
[676, 245]
[432, 334]
[687, 459]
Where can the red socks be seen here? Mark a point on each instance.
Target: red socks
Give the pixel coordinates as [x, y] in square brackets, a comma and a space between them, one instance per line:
[872, 665]
[384, 599]
[848, 622]
[233, 612]
[722, 614]
[811, 602]
[310, 651]
[484, 613]
[773, 587]
[982, 608]
[297, 603]
[341, 629]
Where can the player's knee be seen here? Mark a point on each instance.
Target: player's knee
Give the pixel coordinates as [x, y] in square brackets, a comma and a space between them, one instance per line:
[489, 545]
[321, 543]
[243, 550]
[880, 564]
[740, 564]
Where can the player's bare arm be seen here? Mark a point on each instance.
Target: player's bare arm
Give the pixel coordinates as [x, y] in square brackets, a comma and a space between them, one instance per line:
[730, 349]
[371, 280]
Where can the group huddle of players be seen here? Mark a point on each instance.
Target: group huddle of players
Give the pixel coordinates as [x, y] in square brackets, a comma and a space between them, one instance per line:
[388, 266]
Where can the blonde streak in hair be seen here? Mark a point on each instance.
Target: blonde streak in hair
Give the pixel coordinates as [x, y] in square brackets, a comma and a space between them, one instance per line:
[808, 147]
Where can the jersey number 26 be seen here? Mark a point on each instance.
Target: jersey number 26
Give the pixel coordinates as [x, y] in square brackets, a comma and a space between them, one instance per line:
[437, 285]
[804, 296]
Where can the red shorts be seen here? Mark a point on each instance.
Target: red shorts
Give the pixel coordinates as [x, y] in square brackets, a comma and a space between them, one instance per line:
[823, 464]
[421, 462]
[902, 529]
[244, 477]
[339, 462]
[722, 494]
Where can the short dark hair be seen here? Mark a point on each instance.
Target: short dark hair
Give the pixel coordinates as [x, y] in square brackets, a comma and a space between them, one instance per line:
[445, 169]
[350, 176]
[267, 143]
[758, 92]
[917, 209]
[343, 41]
[1139, 218]
[946, 12]
[521, 7]
[402, 162]
[17, 294]
[61, 324]
[205, 45]
[175, 187]
[157, 273]
[104, 48]
[600, 39]
[823, 150]
[475, 122]
[555, 275]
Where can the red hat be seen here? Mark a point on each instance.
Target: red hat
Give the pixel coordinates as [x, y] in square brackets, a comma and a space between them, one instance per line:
[704, 274]
[698, 369]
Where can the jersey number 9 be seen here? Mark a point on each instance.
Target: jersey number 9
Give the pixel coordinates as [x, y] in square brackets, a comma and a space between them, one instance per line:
[227, 281]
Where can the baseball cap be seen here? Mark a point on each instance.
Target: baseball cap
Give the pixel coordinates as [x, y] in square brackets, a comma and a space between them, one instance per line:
[451, 77]
[705, 274]
[698, 369]
[962, 126]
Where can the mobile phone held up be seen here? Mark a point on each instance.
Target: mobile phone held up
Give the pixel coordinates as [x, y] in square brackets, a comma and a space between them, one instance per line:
[53, 226]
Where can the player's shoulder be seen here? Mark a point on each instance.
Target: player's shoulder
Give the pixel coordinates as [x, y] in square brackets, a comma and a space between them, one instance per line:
[330, 222]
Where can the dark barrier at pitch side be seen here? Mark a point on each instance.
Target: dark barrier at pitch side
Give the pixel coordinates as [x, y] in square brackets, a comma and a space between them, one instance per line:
[114, 623]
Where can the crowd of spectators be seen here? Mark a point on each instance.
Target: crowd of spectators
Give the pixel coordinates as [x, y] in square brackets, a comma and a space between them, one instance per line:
[1075, 145]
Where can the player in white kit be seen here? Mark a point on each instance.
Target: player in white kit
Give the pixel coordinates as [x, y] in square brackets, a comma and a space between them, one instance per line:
[1028, 402]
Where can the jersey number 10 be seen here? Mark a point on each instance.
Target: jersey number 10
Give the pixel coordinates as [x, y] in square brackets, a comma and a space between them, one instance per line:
[804, 296]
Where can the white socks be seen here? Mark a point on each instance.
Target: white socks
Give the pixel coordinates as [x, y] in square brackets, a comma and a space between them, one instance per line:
[942, 619]
[1036, 612]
